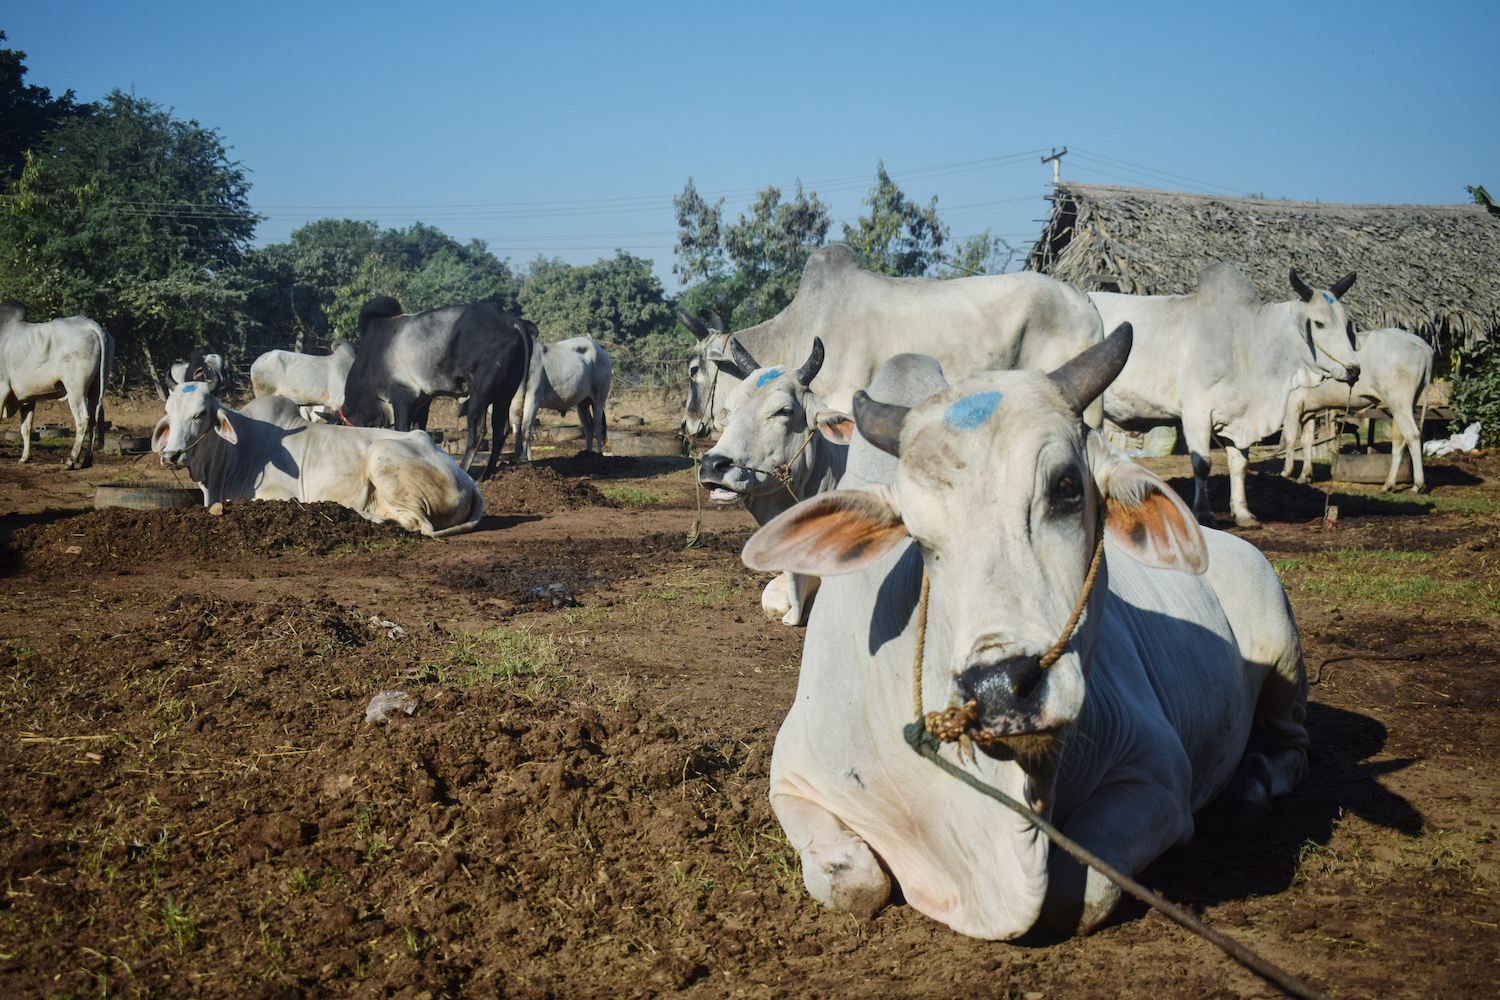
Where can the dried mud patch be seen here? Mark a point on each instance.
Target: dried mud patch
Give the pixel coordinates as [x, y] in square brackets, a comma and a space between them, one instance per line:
[118, 538]
[531, 489]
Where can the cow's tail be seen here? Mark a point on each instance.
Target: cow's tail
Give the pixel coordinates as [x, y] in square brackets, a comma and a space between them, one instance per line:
[104, 364]
[476, 511]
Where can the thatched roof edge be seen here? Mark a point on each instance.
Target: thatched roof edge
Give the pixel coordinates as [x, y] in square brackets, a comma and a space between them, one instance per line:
[1425, 268]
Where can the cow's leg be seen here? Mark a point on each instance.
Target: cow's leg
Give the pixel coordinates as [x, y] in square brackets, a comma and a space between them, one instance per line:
[1291, 427]
[586, 424]
[1309, 438]
[776, 599]
[1405, 435]
[1198, 435]
[1238, 461]
[838, 867]
[28, 410]
[497, 439]
[802, 589]
[1127, 824]
[83, 429]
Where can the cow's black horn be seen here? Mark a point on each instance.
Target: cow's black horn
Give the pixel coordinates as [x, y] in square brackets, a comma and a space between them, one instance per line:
[693, 323]
[812, 365]
[1343, 285]
[1300, 287]
[1086, 376]
[879, 423]
[714, 322]
[742, 357]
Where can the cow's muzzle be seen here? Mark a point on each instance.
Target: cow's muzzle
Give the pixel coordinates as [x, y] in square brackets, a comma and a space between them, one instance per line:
[1351, 374]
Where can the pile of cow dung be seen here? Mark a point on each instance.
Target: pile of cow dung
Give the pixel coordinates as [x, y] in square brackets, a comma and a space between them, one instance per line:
[531, 489]
[119, 537]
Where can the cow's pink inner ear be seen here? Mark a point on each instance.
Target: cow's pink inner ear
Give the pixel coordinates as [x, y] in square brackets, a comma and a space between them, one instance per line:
[1156, 528]
[837, 427]
[832, 533]
[159, 436]
[226, 430]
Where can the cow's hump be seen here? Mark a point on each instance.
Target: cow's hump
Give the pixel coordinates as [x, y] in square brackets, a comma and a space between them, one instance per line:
[827, 266]
[1225, 283]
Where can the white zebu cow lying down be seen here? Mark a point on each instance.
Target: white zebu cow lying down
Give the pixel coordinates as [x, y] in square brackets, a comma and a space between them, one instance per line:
[777, 426]
[1186, 653]
[308, 380]
[268, 452]
[1394, 369]
[61, 359]
[563, 375]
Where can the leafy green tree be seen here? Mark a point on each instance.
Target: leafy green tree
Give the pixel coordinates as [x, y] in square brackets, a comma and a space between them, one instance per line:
[750, 268]
[375, 276]
[27, 112]
[617, 301]
[898, 237]
[982, 254]
[133, 218]
[1476, 391]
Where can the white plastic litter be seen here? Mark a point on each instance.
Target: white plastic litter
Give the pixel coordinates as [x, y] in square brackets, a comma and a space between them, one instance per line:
[386, 704]
[392, 630]
[1467, 441]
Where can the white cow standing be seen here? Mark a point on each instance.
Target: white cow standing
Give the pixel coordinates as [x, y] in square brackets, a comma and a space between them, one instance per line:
[776, 427]
[268, 452]
[561, 376]
[1395, 368]
[61, 359]
[1023, 320]
[1220, 361]
[1186, 649]
[309, 380]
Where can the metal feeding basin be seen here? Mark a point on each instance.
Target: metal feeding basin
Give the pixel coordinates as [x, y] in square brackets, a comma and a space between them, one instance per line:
[1368, 468]
[146, 497]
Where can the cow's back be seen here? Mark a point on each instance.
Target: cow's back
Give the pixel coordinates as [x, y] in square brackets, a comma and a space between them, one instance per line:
[34, 356]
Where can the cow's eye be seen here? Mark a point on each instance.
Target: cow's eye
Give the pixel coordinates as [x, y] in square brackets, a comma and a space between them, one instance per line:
[1318, 324]
[692, 370]
[785, 411]
[1066, 494]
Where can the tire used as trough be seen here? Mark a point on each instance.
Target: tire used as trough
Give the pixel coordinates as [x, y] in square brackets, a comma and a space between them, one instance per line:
[146, 497]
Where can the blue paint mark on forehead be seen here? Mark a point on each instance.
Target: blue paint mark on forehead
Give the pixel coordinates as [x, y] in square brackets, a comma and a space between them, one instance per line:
[1328, 297]
[971, 411]
[767, 376]
[190, 388]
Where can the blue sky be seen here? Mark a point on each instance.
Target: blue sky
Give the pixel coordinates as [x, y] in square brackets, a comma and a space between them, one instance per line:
[564, 129]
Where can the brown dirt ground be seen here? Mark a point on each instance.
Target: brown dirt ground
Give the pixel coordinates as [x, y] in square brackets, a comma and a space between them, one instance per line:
[577, 805]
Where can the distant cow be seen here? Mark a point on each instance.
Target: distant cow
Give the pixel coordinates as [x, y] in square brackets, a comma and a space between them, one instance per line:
[1023, 320]
[405, 361]
[200, 367]
[560, 376]
[309, 380]
[62, 359]
[1395, 367]
[268, 452]
[1221, 361]
[777, 427]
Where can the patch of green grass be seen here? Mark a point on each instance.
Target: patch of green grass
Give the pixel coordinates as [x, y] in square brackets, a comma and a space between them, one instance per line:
[1380, 576]
[631, 496]
[179, 924]
[534, 662]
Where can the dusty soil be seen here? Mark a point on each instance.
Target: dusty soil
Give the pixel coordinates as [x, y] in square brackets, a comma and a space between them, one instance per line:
[576, 806]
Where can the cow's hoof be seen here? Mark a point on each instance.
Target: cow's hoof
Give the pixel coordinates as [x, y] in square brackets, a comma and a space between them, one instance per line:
[1304, 480]
[24, 461]
[1388, 488]
[1206, 519]
[1246, 521]
[1419, 488]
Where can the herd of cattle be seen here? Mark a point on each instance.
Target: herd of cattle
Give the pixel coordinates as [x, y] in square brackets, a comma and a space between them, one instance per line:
[926, 462]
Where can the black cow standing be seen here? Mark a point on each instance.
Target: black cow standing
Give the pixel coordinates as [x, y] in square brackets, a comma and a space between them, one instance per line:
[403, 362]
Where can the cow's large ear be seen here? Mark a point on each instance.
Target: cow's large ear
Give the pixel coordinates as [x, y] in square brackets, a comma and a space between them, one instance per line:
[836, 427]
[838, 532]
[225, 429]
[1143, 515]
[159, 436]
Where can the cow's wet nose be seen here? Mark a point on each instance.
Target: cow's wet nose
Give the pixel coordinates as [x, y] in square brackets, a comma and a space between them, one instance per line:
[714, 466]
[1007, 690]
[1352, 374]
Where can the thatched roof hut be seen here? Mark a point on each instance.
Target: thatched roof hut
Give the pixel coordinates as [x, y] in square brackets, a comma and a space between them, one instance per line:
[1430, 269]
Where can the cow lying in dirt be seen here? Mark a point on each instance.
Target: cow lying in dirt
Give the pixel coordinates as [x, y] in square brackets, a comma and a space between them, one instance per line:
[268, 452]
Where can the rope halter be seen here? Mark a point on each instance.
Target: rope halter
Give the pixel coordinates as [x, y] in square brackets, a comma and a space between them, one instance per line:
[954, 725]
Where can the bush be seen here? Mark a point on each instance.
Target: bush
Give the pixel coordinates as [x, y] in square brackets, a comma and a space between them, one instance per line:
[1476, 391]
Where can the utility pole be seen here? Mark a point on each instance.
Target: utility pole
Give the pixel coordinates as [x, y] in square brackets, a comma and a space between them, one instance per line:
[1055, 159]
